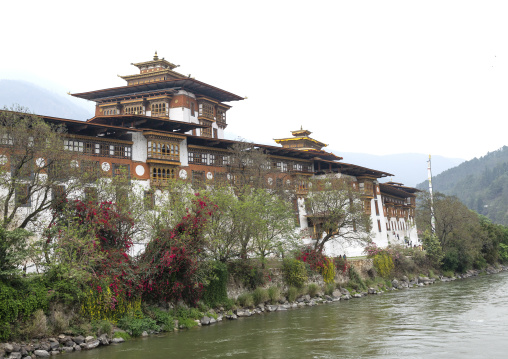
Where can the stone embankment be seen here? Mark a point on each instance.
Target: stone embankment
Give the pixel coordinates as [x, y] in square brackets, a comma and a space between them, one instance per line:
[63, 343]
[53, 346]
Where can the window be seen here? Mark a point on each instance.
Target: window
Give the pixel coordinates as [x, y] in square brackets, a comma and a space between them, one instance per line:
[164, 150]
[110, 111]
[160, 175]
[22, 196]
[215, 134]
[73, 145]
[207, 131]
[134, 110]
[206, 110]
[192, 110]
[159, 109]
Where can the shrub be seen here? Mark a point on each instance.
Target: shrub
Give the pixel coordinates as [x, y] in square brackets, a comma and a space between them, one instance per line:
[314, 258]
[274, 294]
[260, 295]
[312, 289]
[245, 300]
[171, 262]
[383, 263]
[295, 273]
[355, 281]
[102, 327]
[328, 271]
[37, 327]
[19, 301]
[215, 292]
[59, 320]
[329, 288]
[341, 264]
[249, 272]
[162, 318]
[292, 294]
[136, 324]
[121, 334]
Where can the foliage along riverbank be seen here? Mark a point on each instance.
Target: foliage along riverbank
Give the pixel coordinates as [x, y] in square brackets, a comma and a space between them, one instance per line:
[290, 284]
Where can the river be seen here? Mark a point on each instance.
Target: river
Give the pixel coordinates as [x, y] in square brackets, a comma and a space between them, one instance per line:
[461, 319]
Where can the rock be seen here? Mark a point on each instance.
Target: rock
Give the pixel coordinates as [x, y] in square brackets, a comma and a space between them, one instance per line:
[395, 283]
[219, 318]
[89, 339]
[68, 343]
[346, 297]
[372, 291]
[55, 352]
[205, 320]
[15, 355]
[92, 344]
[104, 339]
[144, 334]
[45, 346]
[41, 353]
[357, 295]
[213, 320]
[281, 308]
[67, 349]
[306, 298]
[23, 351]
[8, 348]
[336, 293]
[117, 340]
[54, 345]
[77, 348]
[52, 340]
[79, 339]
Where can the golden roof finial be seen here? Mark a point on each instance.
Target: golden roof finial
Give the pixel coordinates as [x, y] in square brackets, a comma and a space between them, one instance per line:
[155, 57]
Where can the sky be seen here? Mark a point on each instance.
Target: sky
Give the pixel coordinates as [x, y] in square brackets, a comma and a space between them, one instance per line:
[378, 77]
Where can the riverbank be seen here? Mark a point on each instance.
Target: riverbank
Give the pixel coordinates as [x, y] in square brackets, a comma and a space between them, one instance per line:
[64, 343]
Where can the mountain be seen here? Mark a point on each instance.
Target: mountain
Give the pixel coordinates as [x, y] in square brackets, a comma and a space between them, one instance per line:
[40, 101]
[407, 168]
[481, 184]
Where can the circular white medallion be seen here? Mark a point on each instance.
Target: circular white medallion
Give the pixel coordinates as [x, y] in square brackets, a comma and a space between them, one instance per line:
[105, 166]
[288, 182]
[229, 177]
[140, 170]
[74, 164]
[183, 174]
[3, 159]
[40, 162]
[270, 180]
[209, 175]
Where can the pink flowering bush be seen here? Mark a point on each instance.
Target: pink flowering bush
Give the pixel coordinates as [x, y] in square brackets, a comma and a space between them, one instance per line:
[171, 262]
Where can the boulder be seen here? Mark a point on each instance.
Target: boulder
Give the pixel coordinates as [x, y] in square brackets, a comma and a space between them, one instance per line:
[41, 353]
[104, 339]
[54, 345]
[213, 320]
[395, 283]
[89, 339]
[336, 293]
[8, 348]
[77, 347]
[205, 320]
[67, 349]
[117, 340]
[15, 355]
[79, 339]
[372, 291]
[92, 344]
[55, 352]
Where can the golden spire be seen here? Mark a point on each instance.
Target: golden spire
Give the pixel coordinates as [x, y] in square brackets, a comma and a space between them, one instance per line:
[155, 57]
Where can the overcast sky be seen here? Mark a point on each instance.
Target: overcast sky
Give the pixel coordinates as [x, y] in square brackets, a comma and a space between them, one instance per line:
[378, 77]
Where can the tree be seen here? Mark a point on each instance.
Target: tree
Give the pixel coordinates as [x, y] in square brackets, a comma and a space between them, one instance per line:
[458, 229]
[273, 224]
[33, 166]
[336, 211]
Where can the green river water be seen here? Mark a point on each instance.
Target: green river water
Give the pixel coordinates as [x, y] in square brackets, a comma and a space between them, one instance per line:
[461, 319]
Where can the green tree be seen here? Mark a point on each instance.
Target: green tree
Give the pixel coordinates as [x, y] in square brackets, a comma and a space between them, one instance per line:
[336, 212]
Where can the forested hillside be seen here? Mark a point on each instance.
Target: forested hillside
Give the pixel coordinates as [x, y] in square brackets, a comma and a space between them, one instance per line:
[481, 184]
